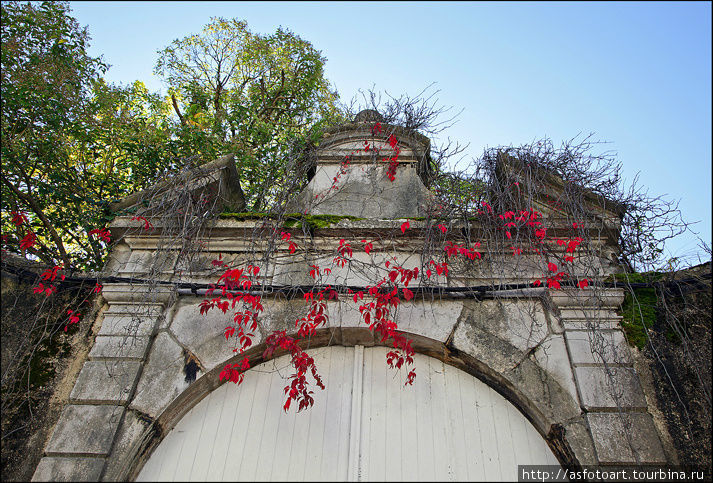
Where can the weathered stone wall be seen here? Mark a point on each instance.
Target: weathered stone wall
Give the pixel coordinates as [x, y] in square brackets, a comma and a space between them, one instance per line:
[557, 355]
[537, 348]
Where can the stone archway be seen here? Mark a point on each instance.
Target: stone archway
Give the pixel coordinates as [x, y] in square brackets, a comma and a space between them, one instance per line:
[533, 345]
[365, 426]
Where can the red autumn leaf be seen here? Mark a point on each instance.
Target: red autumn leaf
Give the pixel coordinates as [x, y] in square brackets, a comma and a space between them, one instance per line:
[28, 241]
[552, 267]
[229, 331]
[507, 234]
[408, 295]
[293, 247]
[285, 236]
[442, 228]
[392, 141]
[569, 259]
[97, 288]
[428, 273]
[147, 225]
[101, 233]
[537, 283]
[18, 218]
[405, 226]
[584, 283]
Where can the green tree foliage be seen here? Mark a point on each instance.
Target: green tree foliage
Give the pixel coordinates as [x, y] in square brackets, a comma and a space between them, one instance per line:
[249, 94]
[70, 143]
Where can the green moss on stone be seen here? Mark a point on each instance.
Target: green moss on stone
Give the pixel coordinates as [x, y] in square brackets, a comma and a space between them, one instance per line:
[638, 314]
[293, 220]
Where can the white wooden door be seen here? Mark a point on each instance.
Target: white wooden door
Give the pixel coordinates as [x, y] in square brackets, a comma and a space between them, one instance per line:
[447, 426]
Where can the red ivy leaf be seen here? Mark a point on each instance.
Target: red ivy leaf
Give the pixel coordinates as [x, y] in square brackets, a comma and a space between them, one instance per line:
[408, 295]
[28, 241]
[392, 141]
[405, 226]
[18, 218]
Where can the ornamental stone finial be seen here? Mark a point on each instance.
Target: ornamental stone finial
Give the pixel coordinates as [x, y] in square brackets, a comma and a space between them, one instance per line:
[369, 115]
[368, 169]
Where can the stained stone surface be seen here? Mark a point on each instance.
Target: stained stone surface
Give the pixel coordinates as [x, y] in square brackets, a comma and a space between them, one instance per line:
[610, 432]
[162, 379]
[68, 469]
[587, 347]
[602, 390]
[105, 380]
[85, 429]
[117, 346]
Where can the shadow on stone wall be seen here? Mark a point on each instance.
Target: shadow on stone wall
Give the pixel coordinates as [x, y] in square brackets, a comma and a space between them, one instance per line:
[39, 364]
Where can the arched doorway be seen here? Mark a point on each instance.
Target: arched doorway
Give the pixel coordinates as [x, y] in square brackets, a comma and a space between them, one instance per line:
[365, 426]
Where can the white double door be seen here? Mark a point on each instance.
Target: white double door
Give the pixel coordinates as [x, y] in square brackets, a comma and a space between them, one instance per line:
[364, 426]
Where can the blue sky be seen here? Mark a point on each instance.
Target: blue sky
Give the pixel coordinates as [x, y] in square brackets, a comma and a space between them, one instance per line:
[637, 74]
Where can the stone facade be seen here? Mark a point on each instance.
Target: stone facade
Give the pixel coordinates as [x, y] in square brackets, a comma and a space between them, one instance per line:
[558, 356]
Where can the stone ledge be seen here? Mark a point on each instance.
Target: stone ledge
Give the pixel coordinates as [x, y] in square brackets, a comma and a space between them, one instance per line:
[52, 468]
[96, 425]
[125, 292]
[105, 381]
[610, 298]
[610, 323]
[139, 308]
[598, 392]
[609, 431]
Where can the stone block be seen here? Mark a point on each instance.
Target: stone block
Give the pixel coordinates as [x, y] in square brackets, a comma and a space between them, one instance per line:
[68, 469]
[600, 390]
[473, 339]
[128, 325]
[522, 324]
[588, 347]
[617, 437]
[85, 429]
[552, 356]
[117, 346]
[434, 320]
[105, 380]
[203, 334]
[162, 379]
[127, 446]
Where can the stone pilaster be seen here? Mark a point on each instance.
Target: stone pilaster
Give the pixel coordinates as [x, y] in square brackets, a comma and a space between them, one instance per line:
[609, 391]
[85, 432]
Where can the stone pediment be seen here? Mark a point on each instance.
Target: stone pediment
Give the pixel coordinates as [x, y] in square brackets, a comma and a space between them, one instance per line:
[217, 179]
